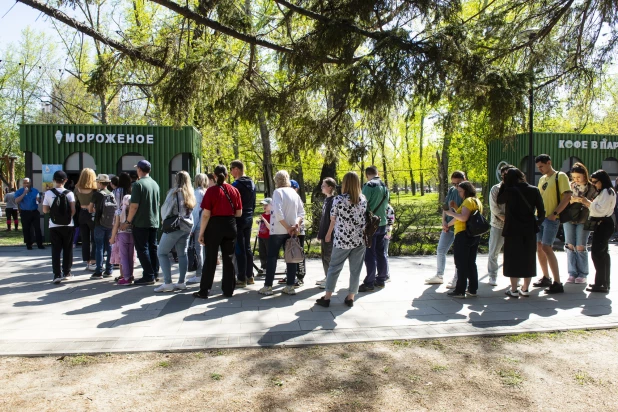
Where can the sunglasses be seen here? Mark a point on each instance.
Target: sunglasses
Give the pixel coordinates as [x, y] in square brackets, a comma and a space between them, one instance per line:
[545, 185]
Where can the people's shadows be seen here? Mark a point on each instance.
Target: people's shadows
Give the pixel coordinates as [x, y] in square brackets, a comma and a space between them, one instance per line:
[433, 306]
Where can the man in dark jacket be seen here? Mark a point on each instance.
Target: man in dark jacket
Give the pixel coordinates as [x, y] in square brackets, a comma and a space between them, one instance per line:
[244, 255]
[376, 193]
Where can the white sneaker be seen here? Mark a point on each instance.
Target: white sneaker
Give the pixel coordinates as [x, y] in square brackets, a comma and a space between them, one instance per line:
[451, 285]
[435, 280]
[493, 281]
[266, 290]
[91, 266]
[321, 281]
[289, 290]
[166, 287]
[57, 280]
[523, 293]
[194, 279]
[180, 286]
[512, 294]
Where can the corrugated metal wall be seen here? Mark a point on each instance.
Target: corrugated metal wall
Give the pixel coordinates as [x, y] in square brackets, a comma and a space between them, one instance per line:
[591, 149]
[167, 143]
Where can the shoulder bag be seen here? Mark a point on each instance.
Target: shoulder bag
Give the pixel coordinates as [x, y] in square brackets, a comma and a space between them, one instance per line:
[177, 222]
[571, 212]
[477, 224]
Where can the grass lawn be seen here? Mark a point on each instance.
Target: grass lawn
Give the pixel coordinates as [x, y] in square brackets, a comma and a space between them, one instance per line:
[12, 238]
[571, 371]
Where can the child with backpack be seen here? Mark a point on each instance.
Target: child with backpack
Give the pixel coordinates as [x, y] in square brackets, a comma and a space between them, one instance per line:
[104, 207]
[60, 204]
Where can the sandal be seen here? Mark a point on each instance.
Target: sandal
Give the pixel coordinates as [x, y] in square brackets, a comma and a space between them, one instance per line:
[199, 295]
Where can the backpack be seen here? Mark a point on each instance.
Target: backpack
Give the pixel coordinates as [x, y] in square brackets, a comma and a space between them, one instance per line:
[60, 210]
[107, 211]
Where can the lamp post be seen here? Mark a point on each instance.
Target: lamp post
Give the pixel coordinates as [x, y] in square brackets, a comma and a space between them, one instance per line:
[529, 35]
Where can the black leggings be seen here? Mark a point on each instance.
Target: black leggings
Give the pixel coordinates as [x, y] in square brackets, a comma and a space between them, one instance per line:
[220, 232]
[86, 231]
[599, 251]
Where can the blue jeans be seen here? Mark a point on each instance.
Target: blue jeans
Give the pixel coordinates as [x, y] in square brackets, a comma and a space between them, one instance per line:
[444, 244]
[375, 259]
[101, 241]
[275, 242]
[179, 239]
[575, 235]
[547, 232]
[244, 255]
[337, 260]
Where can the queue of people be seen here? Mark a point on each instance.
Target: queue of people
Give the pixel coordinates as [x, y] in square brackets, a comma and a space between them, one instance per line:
[119, 225]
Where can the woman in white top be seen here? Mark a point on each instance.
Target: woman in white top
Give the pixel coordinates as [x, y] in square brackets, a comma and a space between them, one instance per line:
[180, 202]
[601, 210]
[200, 184]
[285, 219]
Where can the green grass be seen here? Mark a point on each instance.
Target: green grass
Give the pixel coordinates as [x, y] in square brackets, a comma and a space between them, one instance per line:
[439, 368]
[79, 360]
[523, 337]
[583, 378]
[510, 377]
[216, 376]
[12, 238]
[165, 364]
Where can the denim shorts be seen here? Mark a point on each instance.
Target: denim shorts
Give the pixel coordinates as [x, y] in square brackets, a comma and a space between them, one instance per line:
[548, 231]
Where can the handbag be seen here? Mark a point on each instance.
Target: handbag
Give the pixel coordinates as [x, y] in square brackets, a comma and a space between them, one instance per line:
[591, 224]
[177, 222]
[477, 224]
[372, 222]
[293, 250]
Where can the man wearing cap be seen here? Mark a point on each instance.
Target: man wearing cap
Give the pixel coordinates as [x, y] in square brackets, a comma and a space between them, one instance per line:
[27, 199]
[244, 224]
[61, 235]
[144, 218]
[102, 234]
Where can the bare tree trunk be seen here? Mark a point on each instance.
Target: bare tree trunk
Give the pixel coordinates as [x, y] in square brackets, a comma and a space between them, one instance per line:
[235, 142]
[421, 138]
[267, 162]
[409, 152]
[298, 175]
[444, 159]
[329, 169]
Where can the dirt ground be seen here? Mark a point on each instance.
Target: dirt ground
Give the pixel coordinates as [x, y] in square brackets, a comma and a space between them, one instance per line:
[570, 371]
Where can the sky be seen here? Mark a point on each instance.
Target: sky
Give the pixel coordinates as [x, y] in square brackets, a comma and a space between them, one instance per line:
[15, 17]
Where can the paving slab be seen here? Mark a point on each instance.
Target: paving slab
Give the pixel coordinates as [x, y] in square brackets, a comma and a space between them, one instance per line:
[95, 316]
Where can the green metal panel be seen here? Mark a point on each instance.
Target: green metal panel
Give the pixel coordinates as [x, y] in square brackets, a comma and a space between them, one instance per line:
[55, 142]
[591, 149]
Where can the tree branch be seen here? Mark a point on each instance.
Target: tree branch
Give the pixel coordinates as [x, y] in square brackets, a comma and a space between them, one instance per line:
[60, 16]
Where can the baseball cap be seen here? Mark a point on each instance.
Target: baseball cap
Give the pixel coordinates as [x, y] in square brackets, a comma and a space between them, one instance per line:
[266, 201]
[294, 184]
[144, 165]
[103, 178]
[59, 176]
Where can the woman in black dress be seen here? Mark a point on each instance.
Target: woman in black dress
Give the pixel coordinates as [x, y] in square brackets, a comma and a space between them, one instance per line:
[520, 228]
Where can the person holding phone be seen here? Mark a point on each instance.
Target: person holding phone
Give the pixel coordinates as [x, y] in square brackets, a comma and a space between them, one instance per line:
[28, 199]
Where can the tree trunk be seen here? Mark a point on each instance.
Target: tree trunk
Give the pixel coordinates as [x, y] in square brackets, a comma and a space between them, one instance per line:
[329, 169]
[421, 138]
[444, 159]
[235, 140]
[297, 175]
[409, 152]
[267, 162]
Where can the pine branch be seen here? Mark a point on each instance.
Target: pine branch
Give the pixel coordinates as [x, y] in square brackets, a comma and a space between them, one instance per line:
[127, 50]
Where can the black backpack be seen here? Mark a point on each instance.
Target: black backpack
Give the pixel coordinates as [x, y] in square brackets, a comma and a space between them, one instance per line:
[107, 210]
[60, 210]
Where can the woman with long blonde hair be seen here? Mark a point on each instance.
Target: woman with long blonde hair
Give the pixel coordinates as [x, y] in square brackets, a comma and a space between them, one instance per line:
[85, 188]
[179, 202]
[347, 226]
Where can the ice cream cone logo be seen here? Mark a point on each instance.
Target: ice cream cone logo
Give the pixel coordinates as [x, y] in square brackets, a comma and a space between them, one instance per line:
[59, 136]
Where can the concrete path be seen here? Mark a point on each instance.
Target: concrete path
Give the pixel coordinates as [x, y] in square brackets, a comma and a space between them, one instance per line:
[95, 316]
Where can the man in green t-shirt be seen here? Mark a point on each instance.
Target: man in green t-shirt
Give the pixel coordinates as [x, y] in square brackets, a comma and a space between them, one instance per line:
[144, 219]
[556, 193]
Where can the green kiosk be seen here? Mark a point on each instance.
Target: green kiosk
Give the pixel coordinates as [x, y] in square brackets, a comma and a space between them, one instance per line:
[593, 150]
[109, 149]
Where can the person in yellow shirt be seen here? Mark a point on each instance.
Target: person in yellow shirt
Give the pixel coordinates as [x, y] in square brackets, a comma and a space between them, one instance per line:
[466, 246]
[556, 192]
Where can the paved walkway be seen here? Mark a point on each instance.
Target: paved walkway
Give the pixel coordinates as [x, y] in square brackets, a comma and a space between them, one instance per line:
[94, 316]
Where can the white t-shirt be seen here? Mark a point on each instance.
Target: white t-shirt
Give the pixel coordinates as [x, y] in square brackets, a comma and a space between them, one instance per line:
[49, 199]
